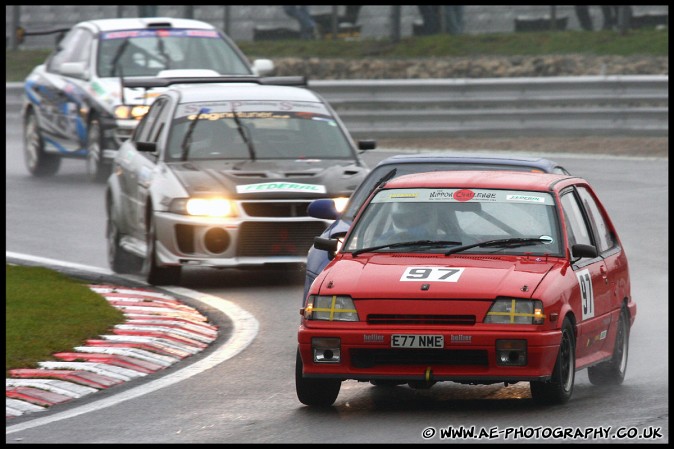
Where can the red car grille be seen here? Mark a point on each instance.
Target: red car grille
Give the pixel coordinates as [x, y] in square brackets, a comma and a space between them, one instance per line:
[277, 239]
[468, 320]
[368, 358]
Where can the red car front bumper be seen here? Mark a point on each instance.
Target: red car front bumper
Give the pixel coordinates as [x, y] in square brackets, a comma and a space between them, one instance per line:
[467, 356]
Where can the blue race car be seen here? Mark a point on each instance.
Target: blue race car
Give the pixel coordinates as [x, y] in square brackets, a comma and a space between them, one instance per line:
[75, 105]
[343, 214]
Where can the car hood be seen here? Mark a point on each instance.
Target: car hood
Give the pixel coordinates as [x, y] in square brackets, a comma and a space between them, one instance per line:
[277, 178]
[483, 277]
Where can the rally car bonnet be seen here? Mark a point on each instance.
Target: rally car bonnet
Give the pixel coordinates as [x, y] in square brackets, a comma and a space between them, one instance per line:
[269, 178]
[433, 276]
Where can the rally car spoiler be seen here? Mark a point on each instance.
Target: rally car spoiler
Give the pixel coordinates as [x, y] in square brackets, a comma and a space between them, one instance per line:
[150, 82]
[21, 34]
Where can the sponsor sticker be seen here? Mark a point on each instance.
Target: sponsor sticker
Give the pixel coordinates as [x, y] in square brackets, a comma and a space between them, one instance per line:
[461, 339]
[266, 187]
[464, 195]
[525, 198]
[403, 195]
[373, 338]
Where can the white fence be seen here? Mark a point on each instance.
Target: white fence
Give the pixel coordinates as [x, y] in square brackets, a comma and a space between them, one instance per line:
[612, 105]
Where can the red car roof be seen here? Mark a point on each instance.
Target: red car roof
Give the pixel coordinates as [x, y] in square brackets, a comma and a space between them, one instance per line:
[480, 179]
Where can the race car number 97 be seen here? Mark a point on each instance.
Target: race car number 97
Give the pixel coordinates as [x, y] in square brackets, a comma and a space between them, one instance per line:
[436, 274]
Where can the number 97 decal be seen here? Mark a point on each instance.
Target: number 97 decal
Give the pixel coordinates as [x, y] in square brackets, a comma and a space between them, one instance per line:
[437, 274]
[586, 293]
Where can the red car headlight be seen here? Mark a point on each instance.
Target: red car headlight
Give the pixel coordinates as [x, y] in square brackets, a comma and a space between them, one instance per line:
[515, 311]
[330, 308]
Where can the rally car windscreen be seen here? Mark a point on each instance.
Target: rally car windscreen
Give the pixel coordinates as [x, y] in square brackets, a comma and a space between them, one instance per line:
[273, 129]
[147, 52]
[463, 216]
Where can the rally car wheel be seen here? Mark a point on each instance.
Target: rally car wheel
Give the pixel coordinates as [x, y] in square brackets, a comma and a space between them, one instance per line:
[97, 169]
[158, 275]
[387, 383]
[613, 371]
[37, 161]
[119, 260]
[560, 387]
[315, 392]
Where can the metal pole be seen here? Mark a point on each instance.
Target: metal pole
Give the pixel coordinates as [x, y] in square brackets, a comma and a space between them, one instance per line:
[443, 18]
[553, 18]
[395, 23]
[623, 20]
[227, 20]
[334, 21]
[16, 23]
[189, 12]
[120, 8]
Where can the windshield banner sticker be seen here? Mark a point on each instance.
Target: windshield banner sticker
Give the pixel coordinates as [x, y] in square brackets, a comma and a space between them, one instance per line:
[280, 187]
[159, 33]
[462, 196]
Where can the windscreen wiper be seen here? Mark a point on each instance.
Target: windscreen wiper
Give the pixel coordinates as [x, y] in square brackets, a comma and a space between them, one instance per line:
[401, 244]
[162, 51]
[249, 142]
[510, 242]
[187, 140]
[118, 54]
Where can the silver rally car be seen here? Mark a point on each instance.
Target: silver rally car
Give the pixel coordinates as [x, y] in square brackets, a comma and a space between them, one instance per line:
[74, 104]
[219, 173]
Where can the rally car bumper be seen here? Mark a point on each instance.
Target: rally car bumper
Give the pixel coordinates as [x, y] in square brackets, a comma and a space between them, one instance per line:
[477, 356]
[232, 242]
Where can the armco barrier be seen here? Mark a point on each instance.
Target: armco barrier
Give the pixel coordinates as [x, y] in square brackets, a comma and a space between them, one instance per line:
[547, 106]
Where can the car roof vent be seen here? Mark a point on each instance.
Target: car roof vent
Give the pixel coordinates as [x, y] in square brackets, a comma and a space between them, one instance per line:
[159, 25]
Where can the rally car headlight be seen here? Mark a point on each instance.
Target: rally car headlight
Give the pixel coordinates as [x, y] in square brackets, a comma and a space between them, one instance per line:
[330, 308]
[210, 207]
[340, 203]
[515, 311]
[125, 112]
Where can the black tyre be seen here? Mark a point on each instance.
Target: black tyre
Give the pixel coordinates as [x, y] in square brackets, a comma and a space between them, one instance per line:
[559, 388]
[613, 371]
[315, 392]
[97, 169]
[119, 259]
[386, 383]
[158, 275]
[37, 161]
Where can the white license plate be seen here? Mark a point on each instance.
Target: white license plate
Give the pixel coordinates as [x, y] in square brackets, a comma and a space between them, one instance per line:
[417, 341]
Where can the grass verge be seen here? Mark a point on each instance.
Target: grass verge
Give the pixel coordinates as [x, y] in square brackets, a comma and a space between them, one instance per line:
[47, 312]
[652, 42]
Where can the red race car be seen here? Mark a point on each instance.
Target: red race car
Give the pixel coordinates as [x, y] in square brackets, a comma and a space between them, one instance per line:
[473, 277]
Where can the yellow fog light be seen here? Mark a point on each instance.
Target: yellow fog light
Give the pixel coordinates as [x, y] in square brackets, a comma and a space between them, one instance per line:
[511, 352]
[326, 349]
